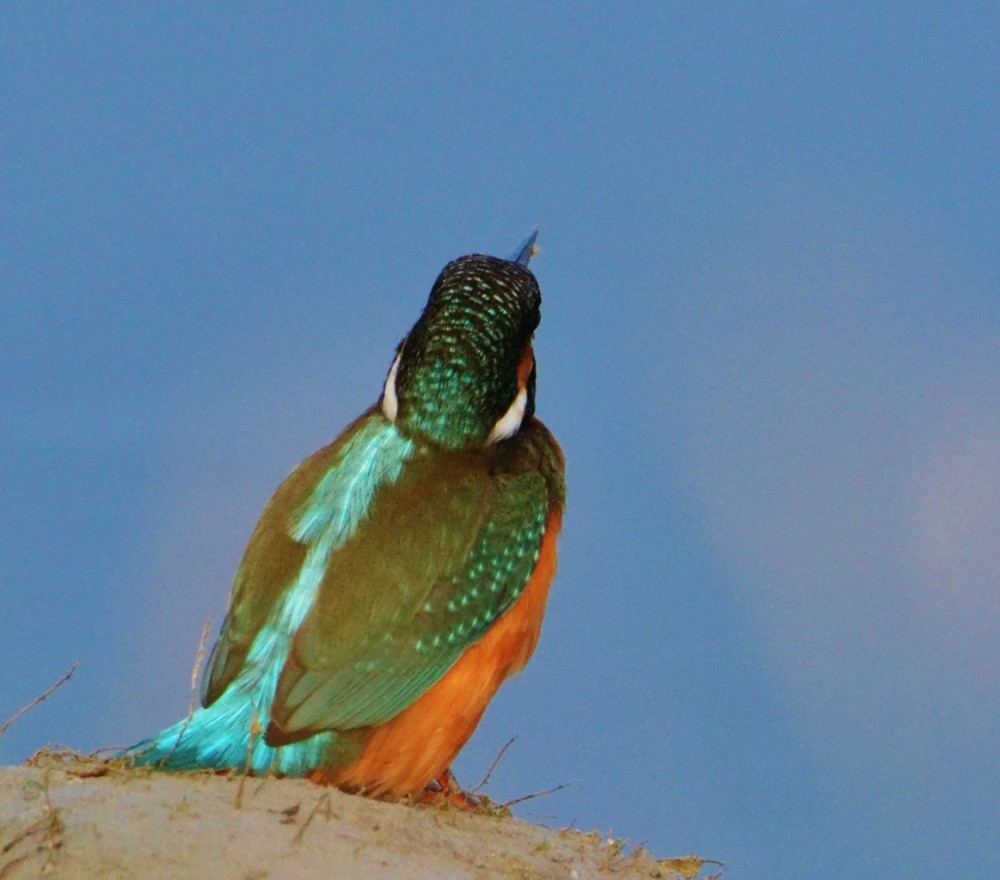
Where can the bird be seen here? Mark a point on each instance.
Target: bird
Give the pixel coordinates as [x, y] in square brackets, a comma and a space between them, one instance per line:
[400, 574]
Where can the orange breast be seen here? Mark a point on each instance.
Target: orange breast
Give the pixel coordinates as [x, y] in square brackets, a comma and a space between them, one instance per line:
[418, 745]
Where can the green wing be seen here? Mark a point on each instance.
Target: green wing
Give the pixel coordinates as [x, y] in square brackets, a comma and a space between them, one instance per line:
[274, 559]
[440, 556]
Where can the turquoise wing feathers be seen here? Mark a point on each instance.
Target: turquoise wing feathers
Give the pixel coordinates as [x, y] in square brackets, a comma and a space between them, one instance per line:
[439, 560]
[386, 629]
[386, 595]
[317, 508]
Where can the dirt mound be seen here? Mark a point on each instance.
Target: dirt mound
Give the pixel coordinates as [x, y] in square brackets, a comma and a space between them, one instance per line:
[91, 820]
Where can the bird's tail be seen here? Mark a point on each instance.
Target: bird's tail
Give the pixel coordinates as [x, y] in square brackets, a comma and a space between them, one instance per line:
[229, 735]
[198, 742]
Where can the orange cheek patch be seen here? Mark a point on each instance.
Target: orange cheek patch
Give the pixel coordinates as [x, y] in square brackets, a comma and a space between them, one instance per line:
[525, 367]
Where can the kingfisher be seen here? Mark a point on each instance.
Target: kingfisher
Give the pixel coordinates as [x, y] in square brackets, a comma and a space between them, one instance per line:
[400, 574]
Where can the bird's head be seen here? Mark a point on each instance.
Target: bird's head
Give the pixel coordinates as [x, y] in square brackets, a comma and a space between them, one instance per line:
[465, 374]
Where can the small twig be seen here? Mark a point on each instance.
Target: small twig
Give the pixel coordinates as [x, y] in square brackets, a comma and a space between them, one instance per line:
[533, 795]
[7, 867]
[255, 731]
[35, 702]
[688, 867]
[322, 801]
[494, 765]
[54, 827]
[59, 752]
[193, 704]
[50, 826]
[33, 828]
[198, 660]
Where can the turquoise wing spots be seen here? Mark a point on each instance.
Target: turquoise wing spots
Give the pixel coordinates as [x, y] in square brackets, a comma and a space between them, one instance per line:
[499, 569]
[442, 556]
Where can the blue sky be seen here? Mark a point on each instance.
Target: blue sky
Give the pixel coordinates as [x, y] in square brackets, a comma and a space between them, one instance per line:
[770, 262]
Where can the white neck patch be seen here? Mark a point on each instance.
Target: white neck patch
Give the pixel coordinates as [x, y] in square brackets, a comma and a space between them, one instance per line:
[390, 403]
[511, 420]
